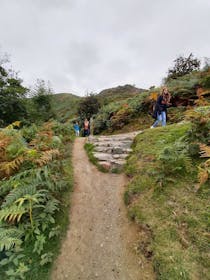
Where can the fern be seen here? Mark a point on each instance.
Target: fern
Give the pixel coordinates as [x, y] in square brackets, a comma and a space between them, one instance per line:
[203, 173]
[9, 238]
[55, 232]
[47, 156]
[8, 168]
[46, 217]
[38, 174]
[16, 148]
[204, 168]
[18, 193]
[175, 157]
[46, 258]
[51, 206]
[12, 213]
[33, 200]
[39, 244]
[18, 272]
[204, 151]
[3, 144]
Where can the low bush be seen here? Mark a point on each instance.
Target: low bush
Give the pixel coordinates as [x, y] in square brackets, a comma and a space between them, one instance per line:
[118, 114]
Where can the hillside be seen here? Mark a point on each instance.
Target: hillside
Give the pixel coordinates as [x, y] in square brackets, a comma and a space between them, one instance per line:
[118, 93]
[131, 112]
[65, 105]
[167, 197]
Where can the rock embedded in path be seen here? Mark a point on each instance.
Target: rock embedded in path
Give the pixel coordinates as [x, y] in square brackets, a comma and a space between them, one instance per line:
[103, 156]
[118, 150]
[105, 164]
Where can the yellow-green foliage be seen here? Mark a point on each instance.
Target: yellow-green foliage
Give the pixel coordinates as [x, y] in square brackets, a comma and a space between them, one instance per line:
[204, 168]
[14, 150]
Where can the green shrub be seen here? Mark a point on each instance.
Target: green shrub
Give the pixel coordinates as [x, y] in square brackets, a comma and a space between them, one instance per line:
[29, 132]
[102, 119]
[206, 82]
[184, 86]
[16, 147]
[200, 118]
[174, 158]
[118, 114]
[64, 129]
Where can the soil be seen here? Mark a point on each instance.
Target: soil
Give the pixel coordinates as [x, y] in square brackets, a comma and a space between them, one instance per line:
[101, 241]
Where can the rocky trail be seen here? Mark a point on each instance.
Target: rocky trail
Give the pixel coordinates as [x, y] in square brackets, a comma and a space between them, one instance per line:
[100, 241]
[111, 151]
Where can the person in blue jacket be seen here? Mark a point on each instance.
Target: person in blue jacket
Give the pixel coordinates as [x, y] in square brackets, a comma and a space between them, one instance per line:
[76, 128]
[160, 112]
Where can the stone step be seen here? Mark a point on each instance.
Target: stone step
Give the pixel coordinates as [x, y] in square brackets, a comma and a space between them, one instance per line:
[112, 139]
[103, 156]
[102, 149]
[118, 163]
[119, 137]
[109, 157]
[112, 151]
[125, 145]
[119, 156]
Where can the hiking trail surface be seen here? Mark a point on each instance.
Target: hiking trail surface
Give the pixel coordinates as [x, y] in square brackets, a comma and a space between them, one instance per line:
[100, 240]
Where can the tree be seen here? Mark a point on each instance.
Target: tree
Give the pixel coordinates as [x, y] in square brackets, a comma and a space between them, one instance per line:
[88, 107]
[183, 66]
[206, 66]
[12, 94]
[41, 107]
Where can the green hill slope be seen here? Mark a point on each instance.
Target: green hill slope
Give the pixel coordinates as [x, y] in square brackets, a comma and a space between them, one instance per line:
[65, 105]
[118, 93]
[126, 108]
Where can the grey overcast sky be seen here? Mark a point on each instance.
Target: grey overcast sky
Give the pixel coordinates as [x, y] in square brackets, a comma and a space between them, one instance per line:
[85, 46]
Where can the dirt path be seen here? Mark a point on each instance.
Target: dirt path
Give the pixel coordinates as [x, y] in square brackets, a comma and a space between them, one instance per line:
[100, 240]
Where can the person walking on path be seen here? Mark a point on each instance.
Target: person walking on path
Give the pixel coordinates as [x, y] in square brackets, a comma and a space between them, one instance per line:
[76, 128]
[161, 106]
[86, 128]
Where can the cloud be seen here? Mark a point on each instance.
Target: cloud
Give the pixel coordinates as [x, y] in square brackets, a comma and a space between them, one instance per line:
[82, 45]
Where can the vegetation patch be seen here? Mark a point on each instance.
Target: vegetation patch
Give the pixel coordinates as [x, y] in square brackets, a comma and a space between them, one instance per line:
[168, 200]
[37, 179]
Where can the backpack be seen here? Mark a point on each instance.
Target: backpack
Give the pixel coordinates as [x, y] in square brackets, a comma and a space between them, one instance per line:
[155, 110]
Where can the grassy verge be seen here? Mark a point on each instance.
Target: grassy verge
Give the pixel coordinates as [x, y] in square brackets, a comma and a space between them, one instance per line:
[163, 201]
[89, 148]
